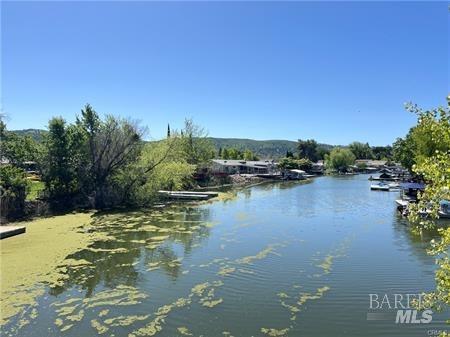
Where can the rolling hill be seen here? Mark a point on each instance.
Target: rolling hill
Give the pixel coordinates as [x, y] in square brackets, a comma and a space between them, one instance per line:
[265, 149]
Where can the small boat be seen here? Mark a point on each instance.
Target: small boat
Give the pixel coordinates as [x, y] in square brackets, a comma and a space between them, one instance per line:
[188, 195]
[394, 186]
[379, 187]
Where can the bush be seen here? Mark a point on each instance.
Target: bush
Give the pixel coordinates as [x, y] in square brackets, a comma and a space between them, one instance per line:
[13, 191]
[339, 160]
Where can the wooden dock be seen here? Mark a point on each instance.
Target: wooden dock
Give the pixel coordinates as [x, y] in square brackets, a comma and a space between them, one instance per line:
[188, 195]
[8, 231]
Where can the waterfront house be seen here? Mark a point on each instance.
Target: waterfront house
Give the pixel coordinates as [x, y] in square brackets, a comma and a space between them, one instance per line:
[318, 168]
[231, 166]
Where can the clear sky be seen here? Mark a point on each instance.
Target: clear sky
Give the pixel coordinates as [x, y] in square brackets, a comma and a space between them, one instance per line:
[333, 71]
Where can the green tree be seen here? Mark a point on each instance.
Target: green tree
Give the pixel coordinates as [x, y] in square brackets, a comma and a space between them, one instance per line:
[382, 152]
[225, 154]
[17, 149]
[162, 165]
[403, 151]
[13, 191]
[431, 139]
[59, 164]
[288, 163]
[249, 155]
[114, 143]
[196, 145]
[308, 149]
[235, 154]
[361, 150]
[304, 164]
[339, 160]
[322, 152]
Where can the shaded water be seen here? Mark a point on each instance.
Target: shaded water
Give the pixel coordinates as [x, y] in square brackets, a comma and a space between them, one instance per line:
[282, 259]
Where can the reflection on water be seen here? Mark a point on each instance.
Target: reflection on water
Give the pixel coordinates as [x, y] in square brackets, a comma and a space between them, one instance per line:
[279, 260]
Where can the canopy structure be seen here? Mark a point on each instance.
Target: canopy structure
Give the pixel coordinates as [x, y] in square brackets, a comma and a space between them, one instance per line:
[412, 186]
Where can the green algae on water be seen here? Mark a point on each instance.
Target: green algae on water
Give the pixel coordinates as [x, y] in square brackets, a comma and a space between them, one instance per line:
[33, 258]
[101, 329]
[225, 271]
[270, 249]
[184, 331]
[275, 332]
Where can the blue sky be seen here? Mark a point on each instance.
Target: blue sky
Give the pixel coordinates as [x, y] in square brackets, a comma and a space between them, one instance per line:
[336, 72]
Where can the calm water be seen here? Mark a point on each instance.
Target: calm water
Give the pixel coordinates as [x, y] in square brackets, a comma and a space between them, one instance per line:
[300, 259]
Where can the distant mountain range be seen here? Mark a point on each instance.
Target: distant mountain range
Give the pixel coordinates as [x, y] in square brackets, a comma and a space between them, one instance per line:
[265, 149]
[36, 134]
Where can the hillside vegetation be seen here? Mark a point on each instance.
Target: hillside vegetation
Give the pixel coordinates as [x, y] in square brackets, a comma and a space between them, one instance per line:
[264, 149]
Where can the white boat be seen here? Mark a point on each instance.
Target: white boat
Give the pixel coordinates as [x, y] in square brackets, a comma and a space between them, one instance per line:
[394, 186]
[402, 203]
[379, 187]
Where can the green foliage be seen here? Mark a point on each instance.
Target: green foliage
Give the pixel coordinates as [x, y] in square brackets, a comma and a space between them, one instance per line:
[361, 150]
[287, 164]
[431, 151]
[36, 134]
[323, 151]
[265, 149]
[60, 161]
[233, 153]
[13, 191]
[17, 149]
[291, 163]
[111, 145]
[339, 160]
[419, 145]
[382, 152]
[82, 160]
[198, 148]
[404, 150]
[169, 165]
[308, 149]
[35, 187]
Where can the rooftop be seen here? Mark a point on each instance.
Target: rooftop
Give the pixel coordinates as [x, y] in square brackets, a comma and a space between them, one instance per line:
[250, 163]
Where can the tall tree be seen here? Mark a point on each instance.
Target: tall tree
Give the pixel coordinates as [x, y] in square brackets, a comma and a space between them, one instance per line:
[197, 147]
[59, 164]
[404, 150]
[113, 144]
[339, 160]
[308, 149]
[13, 190]
[361, 150]
[431, 152]
[168, 130]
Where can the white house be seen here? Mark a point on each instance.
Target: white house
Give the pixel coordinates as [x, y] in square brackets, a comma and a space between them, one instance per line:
[231, 166]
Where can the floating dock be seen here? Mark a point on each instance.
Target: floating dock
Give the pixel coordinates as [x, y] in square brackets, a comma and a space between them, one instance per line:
[8, 231]
[188, 195]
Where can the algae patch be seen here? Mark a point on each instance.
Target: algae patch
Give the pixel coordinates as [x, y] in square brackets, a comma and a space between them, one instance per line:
[270, 249]
[184, 331]
[34, 255]
[274, 332]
